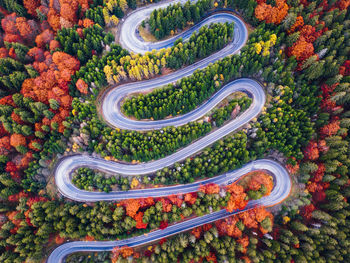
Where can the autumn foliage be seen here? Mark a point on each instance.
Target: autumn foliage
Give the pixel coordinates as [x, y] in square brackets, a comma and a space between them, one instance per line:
[139, 223]
[59, 240]
[163, 225]
[250, 219]
[124, 251]
[17, 140]
[301, 49]
[311, 151]
[345, 68]
[320, 179]
[229, 227]
[44, 38]
[209, 188]
[135, 208]
[5, 145]
[19, 29]
[56, 71]
[175, 200]
[31, 6]
[238, 198]
[271, 14]
[306, 211]
[297, 25]
[131, 206]
[82, 86]
[330, 129]
[327, 104]
[233, 226]
[343, 4]
[260, 179]
[44, 77]
[190, 198]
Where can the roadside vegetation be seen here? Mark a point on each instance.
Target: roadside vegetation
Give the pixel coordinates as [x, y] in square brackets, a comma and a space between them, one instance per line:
[120, 66]
[117, 220]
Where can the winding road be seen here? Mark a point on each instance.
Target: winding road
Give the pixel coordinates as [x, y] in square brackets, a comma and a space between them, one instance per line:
[112, 114]
[111, 102]
[282, 187]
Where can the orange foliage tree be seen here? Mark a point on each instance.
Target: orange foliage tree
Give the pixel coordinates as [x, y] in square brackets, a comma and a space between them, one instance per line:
[330, 129]
[31, 6]
[258, 179]
[237, 199]
[87, 23]
[82, 86]
[124, 251]
[53, 19]
[292, 169]
[298, 23]
[131, 206]
[17, 140]
[44, 38]
[59, 240]
[68, 12]
[301, 49]
[272, 14]
[28, 29]
[38, 55]
[139, 221]
[211, 257]
[228, 226]
[3, 52]
[54, 44]
[190, 198]
[244, 242]
[209, 189]
[166, 205]
[175, 200]
[146, 202]
[311, 151]
[343, 4]
[5, 145]
[253, 217]
[197, 232]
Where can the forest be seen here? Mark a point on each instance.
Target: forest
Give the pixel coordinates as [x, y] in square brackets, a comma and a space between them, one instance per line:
[58, 56]
[175, 17]
[117, 220]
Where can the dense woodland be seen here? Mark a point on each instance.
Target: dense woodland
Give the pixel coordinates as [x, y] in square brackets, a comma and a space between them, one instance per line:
[118, 220]
[118, 65]
[164, 22]
[191, 91]
[56, 56]
[88, 179]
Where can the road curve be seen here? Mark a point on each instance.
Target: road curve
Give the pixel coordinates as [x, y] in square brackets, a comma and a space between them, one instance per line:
[111, 101]
[69, 164]
[281, 190]
[130, 40]
[113, 116]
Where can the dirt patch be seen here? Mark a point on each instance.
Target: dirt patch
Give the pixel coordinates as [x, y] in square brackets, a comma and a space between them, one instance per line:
[51, 188]
[250, 28]
[146, 34]
[234, 96]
